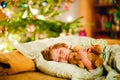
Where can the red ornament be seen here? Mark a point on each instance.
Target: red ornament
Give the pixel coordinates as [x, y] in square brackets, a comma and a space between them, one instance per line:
[35, 17]
[66, 7]
[82, 33]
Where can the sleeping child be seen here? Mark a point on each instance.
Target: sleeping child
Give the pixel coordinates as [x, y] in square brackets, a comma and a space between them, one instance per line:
[84, 58]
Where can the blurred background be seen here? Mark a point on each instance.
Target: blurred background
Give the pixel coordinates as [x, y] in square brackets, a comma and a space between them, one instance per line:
[29, 20]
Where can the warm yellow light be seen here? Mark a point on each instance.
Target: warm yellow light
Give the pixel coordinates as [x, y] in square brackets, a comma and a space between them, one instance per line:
[69, 18]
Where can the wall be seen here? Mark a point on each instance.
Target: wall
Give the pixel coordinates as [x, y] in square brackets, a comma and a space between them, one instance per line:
[87, 10]
[72, 12]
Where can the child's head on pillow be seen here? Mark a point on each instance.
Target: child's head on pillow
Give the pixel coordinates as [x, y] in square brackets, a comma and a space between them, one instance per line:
[58, 52]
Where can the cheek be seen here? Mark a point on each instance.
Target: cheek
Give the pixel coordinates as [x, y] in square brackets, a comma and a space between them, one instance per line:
[67, 52]
[54, 56]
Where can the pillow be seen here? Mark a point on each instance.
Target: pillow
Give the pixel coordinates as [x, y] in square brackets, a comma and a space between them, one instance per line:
[33, 50]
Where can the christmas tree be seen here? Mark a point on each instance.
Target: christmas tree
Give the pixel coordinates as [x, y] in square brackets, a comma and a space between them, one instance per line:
[28, 20]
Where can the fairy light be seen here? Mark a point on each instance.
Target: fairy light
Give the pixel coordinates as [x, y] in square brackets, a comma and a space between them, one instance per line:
[8, 14]
[69, 18]
[31, 28]
[2, 44]
[15, 42]
[3, 4]
[34, 11]
[40, 17]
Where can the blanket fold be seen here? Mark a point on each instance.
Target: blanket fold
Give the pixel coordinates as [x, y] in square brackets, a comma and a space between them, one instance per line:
[17, 62]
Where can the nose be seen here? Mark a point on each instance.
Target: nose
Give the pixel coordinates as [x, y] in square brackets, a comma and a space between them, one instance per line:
[62, 56]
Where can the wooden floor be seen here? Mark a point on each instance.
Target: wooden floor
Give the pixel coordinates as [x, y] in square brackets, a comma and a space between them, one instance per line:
[30, 76]
[113, 41]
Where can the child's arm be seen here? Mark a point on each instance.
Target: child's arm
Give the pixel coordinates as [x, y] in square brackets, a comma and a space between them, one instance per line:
[85, 60]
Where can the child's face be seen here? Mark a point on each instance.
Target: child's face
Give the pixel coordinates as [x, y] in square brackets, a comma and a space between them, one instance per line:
[60, 54]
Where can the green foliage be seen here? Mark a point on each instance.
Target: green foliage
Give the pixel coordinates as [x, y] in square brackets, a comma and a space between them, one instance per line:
[50, 26]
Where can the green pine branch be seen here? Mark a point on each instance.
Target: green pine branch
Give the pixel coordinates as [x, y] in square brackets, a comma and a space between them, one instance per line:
[51, 26]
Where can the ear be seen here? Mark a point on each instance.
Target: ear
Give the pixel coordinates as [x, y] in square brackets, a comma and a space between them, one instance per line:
[97, 49]
[76, 48]
[98, 62]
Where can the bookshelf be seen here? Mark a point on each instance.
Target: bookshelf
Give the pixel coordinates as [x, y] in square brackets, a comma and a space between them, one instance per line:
[105, 24]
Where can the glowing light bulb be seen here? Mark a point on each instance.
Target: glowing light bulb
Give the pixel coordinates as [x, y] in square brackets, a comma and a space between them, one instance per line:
[34, 11]
[31, 28]
[69, 18]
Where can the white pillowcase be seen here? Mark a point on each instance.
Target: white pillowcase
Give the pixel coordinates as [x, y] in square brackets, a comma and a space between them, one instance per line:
[33, 50]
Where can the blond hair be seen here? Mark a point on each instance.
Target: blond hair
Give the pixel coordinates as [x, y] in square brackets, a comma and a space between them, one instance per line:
[46, 53]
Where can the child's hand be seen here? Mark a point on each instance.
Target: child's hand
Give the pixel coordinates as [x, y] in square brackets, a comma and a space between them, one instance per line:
[85, 60]
[89, 49]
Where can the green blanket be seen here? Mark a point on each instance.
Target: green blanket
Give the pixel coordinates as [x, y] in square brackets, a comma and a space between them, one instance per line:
[112, 62]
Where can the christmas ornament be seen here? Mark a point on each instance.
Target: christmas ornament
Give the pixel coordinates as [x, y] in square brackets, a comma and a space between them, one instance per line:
[3, 4]
[24, 5]
[82, 33]
[35, 17]
[66, 7]
[45, 3]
